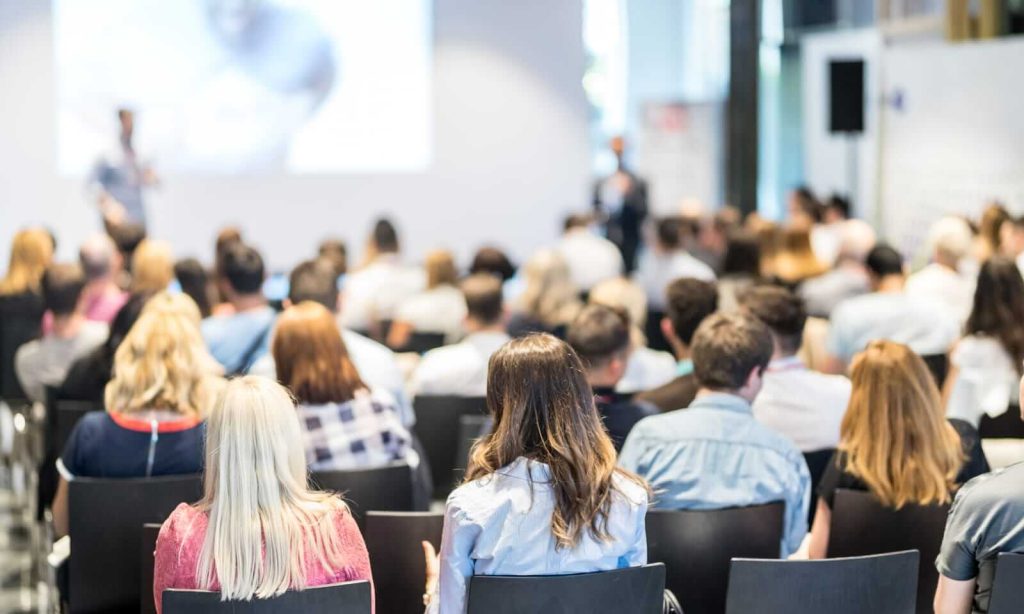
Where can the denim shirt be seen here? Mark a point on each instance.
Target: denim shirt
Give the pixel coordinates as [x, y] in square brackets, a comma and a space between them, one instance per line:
[501, 525]
[715, 455]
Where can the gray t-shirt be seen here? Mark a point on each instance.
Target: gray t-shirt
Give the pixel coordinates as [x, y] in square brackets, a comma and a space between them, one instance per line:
[986, 518]
[45, 362]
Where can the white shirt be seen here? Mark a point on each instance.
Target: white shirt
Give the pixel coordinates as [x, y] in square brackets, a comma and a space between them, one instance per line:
[591, 258]
[501, 525]
[374, 292]
[804, 405]
[646, 369]
[986, 382]
[656, 271]
[438, 310]
[944, 285]
[45, 362]
[826, 241]
[459, 369]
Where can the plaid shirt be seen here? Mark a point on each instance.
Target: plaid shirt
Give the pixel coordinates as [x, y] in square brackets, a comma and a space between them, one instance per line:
[363, 432]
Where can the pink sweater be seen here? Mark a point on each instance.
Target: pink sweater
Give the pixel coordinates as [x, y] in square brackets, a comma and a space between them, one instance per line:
[181, 541]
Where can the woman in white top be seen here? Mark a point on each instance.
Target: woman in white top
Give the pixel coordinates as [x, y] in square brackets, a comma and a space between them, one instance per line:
[438, 309]
[985, 365]
[543, 495]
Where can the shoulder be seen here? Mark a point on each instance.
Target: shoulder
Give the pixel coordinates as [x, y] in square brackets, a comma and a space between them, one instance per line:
[633, 492]
[28, 351]
[184, 523]
[998, 487]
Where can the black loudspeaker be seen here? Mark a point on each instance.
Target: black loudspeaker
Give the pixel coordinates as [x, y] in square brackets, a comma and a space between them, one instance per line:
[846, 96]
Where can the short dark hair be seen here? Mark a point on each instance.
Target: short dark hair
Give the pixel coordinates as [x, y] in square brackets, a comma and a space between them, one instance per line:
[62, 287]
[670, 231]
[884, 260]
[689, 301]
[576, 220]
[742, 255]
[493, 261]
[483, 297]
[335, 251]
[193, 280]
[385, 237]
[727, 347]
[839, 203]
[243, 268]
[783, 311]
[127, 237]
[808, 203]
[314, 280]
[599, 333]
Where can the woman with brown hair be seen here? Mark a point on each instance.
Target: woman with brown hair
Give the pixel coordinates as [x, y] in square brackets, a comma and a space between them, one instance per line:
[894, 441]
[795, 260]
[345, 424]
[440, 308]
[542, 493]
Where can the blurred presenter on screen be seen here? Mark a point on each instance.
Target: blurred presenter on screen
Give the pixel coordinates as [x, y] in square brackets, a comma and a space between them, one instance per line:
[120, 177]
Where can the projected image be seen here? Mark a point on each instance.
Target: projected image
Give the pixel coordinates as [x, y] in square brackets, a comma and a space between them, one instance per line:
[246, 86]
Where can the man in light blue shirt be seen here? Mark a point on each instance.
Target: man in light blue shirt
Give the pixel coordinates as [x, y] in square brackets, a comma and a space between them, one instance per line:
[714, 454]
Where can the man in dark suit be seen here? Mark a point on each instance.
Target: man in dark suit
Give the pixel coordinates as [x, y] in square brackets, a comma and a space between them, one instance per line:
[689, 302]
[621, 200]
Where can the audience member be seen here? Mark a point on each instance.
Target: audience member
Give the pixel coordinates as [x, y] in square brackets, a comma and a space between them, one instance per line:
[666, 262]
[542, 492]
[346, 424]
[988, 240]
[645, 368]
[439, 308]
[849, 277]
[590, 257]
[21, 290]
[712, 235]
[45, 362]
[127, 238]
[837, 210]
[239, 339]
[194, 282]
[493, 261]
[336, 252]
[894, 441]
[549, 300]
[942, 282]
[600, 336]
[804, 405]
[258, 530]
[227, 238]
[795, 261]
[152, 267]
[690, 301]
[714, 454]
[102, 265]
[741, 269]
[461, 369]
[826, 237]
[804, 209]
[985, 365]
[887, 312]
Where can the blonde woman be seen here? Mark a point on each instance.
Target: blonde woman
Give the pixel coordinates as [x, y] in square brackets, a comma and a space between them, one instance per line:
[438, 309]
[152, 266]
[549, 301]
[21, 296]
[258, 530]
[894, 441]
[162, 387]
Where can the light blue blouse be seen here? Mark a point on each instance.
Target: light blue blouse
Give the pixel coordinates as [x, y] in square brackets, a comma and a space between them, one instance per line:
[501, 525]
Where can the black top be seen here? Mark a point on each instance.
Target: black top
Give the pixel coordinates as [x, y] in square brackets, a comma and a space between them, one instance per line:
[88, 376]
[837, 477]
[620, 413]
[21, 316]
[677, 394]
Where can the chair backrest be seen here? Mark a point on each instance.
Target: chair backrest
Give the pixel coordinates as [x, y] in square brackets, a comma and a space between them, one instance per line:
[817, 462]
[437, 427]
[878, 584]
[380, 489]
[66, 415]
[106, 518]
[347, 598]
[1007, 425]
[15, 331]
[471, 428]
[696, 547]
[1008, 585]
[150, 531]
[938, 365]
[421, 343]
[393, 542]
[638, 590]
[861, 525]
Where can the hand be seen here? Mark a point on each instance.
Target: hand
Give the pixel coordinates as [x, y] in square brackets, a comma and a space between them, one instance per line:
[433, 566]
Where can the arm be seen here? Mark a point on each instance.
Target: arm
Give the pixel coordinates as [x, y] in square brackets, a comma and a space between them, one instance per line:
[357, 559]
[954, 596]
[165, 561]
[60, 509]
[456, 563]
[947, 386]
[797, 500]
[818, 548]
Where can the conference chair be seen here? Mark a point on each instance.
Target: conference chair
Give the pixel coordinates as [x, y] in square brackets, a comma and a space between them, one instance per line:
[817, 462]
[421, 343]
[150, 531]
[61, 417]
[862, 526]
[938, 364]
[1004, 426]
[697, 545]
[15, 330]
[105, 524]
[652, 330]
[346, 598]
[437, 428]
[396, 557]
[638, 590]
[379, 489]
[877, 584]
[1008, 585]
[471, 428]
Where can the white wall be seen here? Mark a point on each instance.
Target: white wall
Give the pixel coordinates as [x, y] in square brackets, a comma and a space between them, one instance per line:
[510, 148]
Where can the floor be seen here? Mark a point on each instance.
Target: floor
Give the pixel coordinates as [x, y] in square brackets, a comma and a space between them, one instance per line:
[20, 591]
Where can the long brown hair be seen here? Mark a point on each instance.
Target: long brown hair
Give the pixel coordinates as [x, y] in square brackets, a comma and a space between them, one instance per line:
[544, 410]
[894, 433]
[998, 309]
[311, 358]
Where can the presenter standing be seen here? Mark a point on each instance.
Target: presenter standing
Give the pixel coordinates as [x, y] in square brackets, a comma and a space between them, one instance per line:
[120, 178]
[621, 201]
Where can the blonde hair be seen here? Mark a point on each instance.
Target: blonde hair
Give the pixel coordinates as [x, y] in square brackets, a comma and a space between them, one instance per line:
[264, 521]
[152, 266]
[176, 304]
[550, 295]
[440, 267]
[894, 434]
[163, 363]
[621, 293]
[31, 253]
[795, 260]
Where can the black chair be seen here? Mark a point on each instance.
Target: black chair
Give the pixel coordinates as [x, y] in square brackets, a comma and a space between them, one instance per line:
[61, 418]
[437, 427]
[817, 462]
[15, 330]
[1004, 426]
[697, 545]
[862, 526]
[1008, 584]
[879, 584]
[637, 590]
[938, 364]
[379, 489]
[652, 330]
[393, 542]
[471, 428]
[347, 598]
[105, 525]
[150, 531]
[421, 343]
